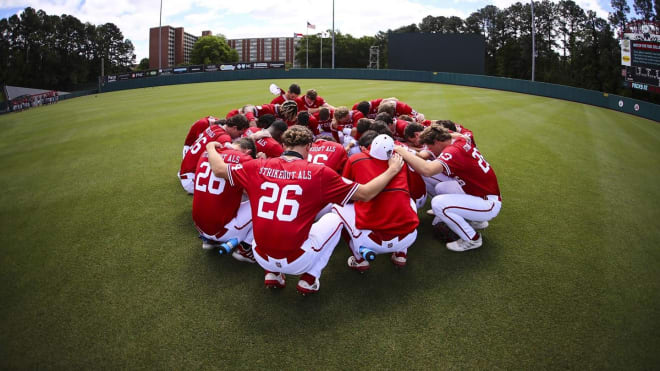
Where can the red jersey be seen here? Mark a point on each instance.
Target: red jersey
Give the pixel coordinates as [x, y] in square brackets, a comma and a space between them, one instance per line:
[389, 214]
[328, 153]
[416, 183]
[280, 98]
[215, 203]
[465, 131]
[285, 196]
[197, 129]
[353, 117]
[463, 161]
[426, 123]
[399, 129]
[325, 125]
[373, 107]
[249, 131]
[314, 124]
[212, 133]
[304, 106]
[269, 146]
[404, 109]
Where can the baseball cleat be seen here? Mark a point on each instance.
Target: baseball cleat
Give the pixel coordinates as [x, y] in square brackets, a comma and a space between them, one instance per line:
[359, 265]
[243, 252]
[399, 259]
[478, 225]
[367, 253]
[463, 245]
[209, 244]
[305, 288]
[275, 280]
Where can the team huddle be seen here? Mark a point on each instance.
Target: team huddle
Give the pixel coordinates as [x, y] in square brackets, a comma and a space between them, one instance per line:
[280, 184]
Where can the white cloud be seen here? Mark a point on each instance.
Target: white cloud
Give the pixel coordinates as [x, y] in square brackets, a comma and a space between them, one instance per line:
[259, 18]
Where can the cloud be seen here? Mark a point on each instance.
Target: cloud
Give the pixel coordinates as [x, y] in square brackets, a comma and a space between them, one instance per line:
[259, 18]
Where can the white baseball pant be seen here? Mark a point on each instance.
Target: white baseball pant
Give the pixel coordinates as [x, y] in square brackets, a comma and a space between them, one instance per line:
[323, 238]
[440, 184]
[361, 237]
[187, 182]
[455, 209]
[239, 228]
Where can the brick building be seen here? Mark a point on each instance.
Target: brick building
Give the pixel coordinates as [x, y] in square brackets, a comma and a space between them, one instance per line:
[175, 47]
[269, 49]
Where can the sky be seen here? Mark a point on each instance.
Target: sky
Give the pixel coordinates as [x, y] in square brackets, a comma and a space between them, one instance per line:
[260, 18]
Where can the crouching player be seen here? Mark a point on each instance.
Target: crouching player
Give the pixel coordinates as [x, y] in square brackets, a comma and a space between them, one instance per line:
[481, 202]
[223, 221]
[386, 224]
[286, 193]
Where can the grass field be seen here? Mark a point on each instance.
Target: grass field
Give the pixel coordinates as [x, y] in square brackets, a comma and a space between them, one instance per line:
[101, 266]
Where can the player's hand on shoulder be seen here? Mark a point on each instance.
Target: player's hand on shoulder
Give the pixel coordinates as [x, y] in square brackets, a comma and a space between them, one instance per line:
[261, 155]
[395, 162]
[213, 145]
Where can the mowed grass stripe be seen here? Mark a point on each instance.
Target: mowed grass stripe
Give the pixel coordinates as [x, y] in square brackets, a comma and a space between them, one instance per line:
[101, 264]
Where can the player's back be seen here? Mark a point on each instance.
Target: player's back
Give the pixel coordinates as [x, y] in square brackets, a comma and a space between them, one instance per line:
[285, 196]
[269, 146]
[215, 202]
[468, 164]
[210, 134]
[328, 153]
[390, 212]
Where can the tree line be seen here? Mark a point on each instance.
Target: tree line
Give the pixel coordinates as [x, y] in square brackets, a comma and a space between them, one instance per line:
[60, 52]
[573, 47]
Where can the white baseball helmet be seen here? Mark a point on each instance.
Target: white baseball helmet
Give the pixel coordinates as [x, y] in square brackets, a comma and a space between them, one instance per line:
[382, 147]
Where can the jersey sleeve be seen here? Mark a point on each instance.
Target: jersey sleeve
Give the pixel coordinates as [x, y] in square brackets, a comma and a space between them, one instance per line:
[347, 172]
[239, 174]
[337, 189]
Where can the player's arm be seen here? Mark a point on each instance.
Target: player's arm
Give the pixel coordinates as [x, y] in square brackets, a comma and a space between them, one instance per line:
[424, 168]
[371, 189]
[218, 165]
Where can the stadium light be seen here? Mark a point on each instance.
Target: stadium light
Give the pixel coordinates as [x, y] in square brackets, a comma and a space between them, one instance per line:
[160, 33]
[333, 34]
[533, 41]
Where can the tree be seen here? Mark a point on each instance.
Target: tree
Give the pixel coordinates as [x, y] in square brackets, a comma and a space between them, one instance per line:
[212, 50]
[144, 64]
[644, 8]
[618, 18]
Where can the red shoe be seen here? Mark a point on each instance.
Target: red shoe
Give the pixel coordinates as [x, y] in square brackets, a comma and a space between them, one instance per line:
[275, 280]
[399, 259]
[243, 252]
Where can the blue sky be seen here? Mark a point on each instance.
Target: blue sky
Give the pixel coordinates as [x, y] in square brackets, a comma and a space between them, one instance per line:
[260, 18]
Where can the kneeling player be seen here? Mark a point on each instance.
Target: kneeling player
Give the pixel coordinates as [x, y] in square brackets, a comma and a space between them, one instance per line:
[463, 213]
[386, 224]
[218, 213]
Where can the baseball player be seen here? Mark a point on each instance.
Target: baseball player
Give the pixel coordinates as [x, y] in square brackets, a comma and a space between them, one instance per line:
[217, 210]
[232, 129]
[463, 213]
[285, 194]
[196, 131]
[291, 94]
[395, 227]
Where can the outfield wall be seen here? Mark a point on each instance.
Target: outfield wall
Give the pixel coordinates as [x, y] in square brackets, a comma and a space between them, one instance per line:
[614, 102]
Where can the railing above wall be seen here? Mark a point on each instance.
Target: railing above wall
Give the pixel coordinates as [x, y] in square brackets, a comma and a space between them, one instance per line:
[614, 102]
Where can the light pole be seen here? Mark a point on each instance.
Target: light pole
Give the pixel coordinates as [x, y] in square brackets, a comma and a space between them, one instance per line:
[333, 34]
[160, 33]
[533, 42]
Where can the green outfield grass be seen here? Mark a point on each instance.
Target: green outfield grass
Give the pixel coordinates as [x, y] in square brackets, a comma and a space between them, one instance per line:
[101, 266]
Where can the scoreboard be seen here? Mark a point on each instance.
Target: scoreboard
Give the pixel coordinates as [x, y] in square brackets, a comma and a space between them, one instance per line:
[640, 57]
[643, 71]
